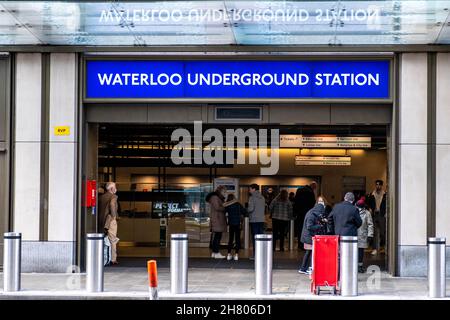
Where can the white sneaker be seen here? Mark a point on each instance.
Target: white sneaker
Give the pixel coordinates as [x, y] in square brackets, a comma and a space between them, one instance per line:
[229, 257]
[213, 255]
[219, 256]
[236, 257]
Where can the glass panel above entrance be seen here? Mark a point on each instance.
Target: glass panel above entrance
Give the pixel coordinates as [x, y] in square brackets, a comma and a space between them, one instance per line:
[166, 23]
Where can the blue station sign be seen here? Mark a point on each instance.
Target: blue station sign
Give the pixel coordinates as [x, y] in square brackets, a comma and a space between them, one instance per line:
[212, 79]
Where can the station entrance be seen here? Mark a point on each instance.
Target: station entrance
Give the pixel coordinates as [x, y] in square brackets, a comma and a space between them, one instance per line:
[158, 198]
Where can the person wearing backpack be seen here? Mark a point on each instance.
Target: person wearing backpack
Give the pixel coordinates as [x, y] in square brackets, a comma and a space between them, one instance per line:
[235, 212]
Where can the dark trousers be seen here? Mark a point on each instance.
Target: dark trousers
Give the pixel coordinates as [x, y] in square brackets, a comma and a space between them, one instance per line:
[279, 229]
[360, 256]
[217, 236]
[256, 228]
[306, 263]
[234, 234]
[299, 231]
[380, 230]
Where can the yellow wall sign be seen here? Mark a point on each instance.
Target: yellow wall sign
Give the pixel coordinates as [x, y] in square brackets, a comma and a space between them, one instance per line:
[62, 131]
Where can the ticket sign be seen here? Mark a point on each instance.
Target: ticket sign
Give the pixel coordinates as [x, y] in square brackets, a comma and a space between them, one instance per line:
[290, 140]
[62, 131]
[244, 79]
[299, 141]
[322, 161]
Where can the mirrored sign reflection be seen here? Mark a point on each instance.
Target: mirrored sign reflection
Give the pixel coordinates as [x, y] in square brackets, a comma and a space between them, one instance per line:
[124, 23]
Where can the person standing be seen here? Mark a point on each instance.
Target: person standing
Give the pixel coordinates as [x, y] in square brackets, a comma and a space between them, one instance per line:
[256, 212]
[304, 201]
[108, 215]
[292, 197]
[377, 203]
[217, 219]
[281, 213]
[344, 219]
[314, 224]
[235, 212]
[365, 232]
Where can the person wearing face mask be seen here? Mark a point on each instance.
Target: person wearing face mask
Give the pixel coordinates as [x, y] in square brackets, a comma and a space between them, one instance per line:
[108, 214]
[218, 221]
[314, 224]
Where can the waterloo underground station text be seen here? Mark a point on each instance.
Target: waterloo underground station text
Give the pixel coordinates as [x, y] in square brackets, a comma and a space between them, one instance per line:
[238, 79]
[369, 15]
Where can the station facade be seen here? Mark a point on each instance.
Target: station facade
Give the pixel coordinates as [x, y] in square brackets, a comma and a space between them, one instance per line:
[44, 172]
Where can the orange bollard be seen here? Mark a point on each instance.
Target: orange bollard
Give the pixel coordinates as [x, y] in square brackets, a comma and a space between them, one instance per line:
[152, 279]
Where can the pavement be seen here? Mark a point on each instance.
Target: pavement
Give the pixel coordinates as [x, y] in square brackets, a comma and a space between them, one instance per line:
[126, 283]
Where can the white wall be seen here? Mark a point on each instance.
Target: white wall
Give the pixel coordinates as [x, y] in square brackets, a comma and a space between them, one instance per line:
[62, 149]
[27, 132]
[443, 144]
[413, 149]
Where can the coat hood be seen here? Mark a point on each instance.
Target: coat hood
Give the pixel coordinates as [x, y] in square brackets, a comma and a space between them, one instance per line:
[318, 210]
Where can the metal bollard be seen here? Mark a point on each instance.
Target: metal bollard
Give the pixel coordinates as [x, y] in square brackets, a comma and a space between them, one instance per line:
[436, 267]
[12, 261]
[94, 262]
[263, 263]
[349, 266]
[246, 233]
[179, 263]
[291, 235]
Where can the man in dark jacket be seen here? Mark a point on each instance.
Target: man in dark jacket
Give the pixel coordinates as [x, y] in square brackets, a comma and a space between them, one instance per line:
[344, 220]
[304, 201]
[377, 204]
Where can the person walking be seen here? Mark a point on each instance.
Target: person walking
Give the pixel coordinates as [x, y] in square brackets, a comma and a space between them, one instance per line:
[304, 201]
[256, 212]
[235, 212]
[377, 204]
[365, 232]
[281, 213]
[314, 224]
[344, 219]
[108, 215]
[218, 221]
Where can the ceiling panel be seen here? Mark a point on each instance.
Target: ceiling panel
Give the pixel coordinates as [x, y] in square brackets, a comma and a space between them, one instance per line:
[127, 23]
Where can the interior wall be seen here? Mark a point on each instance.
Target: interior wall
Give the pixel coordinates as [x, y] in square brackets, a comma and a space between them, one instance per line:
[371, 164]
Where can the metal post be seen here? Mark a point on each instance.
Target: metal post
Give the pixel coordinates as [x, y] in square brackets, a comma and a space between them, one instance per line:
[436, 267]
[94, 262]
[12, 261]
[349, 266]
[246, 233]
[291, 235]
[179, 263]
[263, 263]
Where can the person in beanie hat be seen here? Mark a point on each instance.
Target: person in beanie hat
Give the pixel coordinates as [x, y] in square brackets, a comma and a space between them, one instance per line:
[365, 232]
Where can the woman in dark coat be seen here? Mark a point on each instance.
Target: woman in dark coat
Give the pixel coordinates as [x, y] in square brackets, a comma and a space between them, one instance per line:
[218, 221]
[314, 224]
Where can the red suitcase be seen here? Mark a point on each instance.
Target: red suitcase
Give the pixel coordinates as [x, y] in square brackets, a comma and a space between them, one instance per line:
[325, 263]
